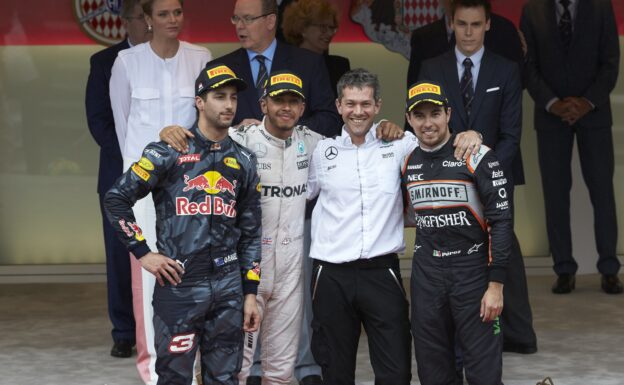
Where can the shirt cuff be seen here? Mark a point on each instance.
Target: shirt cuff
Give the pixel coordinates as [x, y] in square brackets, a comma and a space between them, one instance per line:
[590, 103]
[550, 103]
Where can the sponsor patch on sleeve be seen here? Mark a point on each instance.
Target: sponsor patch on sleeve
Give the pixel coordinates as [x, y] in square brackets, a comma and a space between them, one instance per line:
[140, 172]
[254, 274]
[231, 162]
[146, 164]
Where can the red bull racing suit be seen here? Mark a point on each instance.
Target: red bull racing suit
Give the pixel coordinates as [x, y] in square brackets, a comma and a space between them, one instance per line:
[463, 237]
[283, 169]
[209, 221]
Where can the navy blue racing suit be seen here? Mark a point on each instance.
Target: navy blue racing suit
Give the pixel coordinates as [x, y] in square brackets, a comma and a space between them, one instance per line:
[464, 231]
[208, 220]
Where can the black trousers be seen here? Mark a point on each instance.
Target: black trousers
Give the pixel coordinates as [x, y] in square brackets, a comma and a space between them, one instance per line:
[347, 296]
[118, 283]
[595, 148]
[446, 297]
[517, 317]
[207, 315]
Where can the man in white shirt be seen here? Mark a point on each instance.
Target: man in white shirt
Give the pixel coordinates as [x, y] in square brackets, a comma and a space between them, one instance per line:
[357, 231]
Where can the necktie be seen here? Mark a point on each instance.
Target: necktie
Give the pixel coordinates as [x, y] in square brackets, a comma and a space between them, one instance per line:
[466, 87]
[262, 75]
[565, 24]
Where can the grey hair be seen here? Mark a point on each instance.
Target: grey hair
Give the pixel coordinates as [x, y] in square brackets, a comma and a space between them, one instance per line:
[359, 78]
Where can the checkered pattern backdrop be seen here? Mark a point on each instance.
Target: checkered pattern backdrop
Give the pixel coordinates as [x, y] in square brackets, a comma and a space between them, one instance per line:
[101, 23]
[416, 13]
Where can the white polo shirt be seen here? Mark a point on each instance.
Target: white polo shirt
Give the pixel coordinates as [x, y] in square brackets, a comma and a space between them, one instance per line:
[359, 213]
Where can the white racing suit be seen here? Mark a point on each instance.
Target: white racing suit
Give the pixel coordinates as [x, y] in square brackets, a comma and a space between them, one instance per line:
[283, 170]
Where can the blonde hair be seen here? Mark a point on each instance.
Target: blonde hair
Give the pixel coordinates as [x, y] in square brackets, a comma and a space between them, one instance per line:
[148, 5]
[303, 13]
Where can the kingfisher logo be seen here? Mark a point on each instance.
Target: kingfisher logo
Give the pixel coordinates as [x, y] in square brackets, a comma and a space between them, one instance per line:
[211, 182]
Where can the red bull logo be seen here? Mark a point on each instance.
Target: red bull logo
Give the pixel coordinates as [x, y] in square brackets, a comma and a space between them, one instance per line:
[132, 230]
[211, 182]
[210, 206]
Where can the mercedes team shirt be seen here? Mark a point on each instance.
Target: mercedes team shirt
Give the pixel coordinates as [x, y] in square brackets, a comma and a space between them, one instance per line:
[359, 213]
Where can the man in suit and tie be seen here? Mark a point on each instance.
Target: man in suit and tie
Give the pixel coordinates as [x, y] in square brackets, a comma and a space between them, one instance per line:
[485, 94]
[261, 53]
[574, 54]
[436, 38]
[102, 127]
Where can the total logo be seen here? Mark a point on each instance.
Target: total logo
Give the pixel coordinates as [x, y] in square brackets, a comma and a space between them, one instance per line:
[211, 182]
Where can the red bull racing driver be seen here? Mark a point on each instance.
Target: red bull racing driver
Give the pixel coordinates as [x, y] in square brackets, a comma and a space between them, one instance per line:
[209, 226]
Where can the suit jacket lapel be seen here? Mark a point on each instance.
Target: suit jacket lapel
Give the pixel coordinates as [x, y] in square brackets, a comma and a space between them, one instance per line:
[583, 9]
[281, 58]
[486, 72]
[245, 74]
[553, 26]
[451, 79]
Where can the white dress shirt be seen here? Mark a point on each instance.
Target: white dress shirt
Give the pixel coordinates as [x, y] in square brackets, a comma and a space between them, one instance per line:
[572, 8]
[476, 64]
[149, 93]
[359, 213]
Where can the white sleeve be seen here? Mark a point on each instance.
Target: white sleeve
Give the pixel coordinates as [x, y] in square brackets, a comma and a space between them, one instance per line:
[314, 186]
[120, 97]
[409, 143]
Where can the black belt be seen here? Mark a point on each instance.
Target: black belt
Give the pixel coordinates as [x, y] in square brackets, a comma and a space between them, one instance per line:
[382, 261]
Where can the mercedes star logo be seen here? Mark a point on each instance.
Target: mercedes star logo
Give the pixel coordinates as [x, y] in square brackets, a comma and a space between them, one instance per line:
[331, 153]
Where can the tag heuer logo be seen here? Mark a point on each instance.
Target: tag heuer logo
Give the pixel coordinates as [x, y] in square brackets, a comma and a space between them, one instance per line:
[100, 20]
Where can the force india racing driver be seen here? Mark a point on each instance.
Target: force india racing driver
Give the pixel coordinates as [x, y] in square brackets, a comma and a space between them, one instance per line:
[209, 228]
[463, 237]
[283, 150]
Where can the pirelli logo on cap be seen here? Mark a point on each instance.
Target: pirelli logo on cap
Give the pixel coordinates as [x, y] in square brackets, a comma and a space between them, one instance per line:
[286, 78]
[424, 88]
[220, 70]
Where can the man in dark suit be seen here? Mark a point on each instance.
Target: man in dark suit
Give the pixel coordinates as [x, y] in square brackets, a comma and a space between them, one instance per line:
[486, 95]
[574, 54]
[436, 38]
[102, 127]
[261, 53]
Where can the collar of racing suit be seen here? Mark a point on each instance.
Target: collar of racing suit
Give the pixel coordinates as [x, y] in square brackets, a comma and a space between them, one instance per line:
[442, 151]
[272, 139]
[202, 141]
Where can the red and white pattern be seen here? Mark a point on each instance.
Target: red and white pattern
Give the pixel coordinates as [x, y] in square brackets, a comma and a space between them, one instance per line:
[416, 13]
[100, 20]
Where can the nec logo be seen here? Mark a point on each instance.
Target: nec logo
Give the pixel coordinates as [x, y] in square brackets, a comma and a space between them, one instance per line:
[415, 177]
